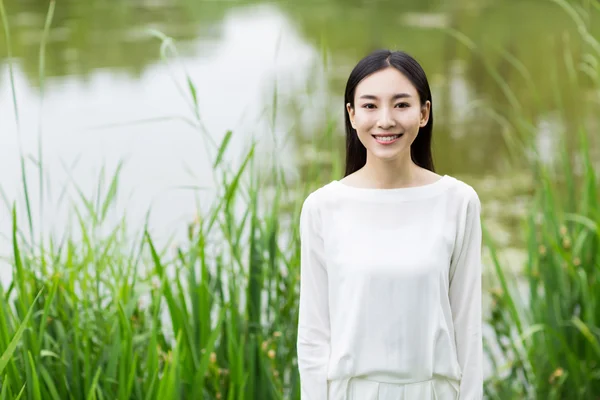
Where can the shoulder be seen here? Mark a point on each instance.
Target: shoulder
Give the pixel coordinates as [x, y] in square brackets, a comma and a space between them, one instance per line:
[464, 195]
[319, 197]
[462, 190]
[313, 208]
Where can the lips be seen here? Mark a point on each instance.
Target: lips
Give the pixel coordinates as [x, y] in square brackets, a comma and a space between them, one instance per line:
[387, 138]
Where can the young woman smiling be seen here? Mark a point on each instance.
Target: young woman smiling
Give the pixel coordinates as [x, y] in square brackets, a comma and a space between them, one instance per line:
[390, 291]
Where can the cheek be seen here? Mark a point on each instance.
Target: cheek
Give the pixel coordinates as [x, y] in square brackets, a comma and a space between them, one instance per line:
[412, 120]
[413, 115]
[364, 120]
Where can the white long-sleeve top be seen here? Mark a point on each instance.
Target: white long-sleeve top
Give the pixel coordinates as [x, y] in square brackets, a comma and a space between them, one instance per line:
[390, 293]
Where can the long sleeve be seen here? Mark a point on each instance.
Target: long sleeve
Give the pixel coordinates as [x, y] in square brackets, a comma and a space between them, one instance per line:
[465, 301]
[313, 324]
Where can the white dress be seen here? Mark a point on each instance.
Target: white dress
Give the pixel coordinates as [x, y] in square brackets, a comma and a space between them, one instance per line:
[390, 293]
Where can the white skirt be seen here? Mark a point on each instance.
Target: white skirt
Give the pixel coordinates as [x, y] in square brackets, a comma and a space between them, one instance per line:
[438, 388]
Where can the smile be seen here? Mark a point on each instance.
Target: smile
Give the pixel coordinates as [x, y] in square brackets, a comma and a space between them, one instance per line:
[387, 139]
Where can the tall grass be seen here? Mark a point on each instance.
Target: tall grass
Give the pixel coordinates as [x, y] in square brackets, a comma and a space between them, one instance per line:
[550, 331]
[94, 317]
[212, 319]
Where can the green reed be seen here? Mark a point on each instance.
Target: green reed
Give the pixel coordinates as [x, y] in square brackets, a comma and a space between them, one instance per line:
[95, 316]
[212, 318]
[550, 331]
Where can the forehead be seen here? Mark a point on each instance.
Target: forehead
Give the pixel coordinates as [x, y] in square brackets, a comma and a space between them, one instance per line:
[385, 83]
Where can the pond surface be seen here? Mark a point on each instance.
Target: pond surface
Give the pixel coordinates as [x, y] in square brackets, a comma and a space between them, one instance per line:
[104, 69]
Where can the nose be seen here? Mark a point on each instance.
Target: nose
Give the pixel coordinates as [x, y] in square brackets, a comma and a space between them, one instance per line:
[386, 120]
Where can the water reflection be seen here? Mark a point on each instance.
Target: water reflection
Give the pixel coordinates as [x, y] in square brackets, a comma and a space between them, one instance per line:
[257, 46]
[92, 35]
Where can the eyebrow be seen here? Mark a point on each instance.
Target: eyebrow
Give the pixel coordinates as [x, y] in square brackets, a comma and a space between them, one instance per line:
[394, 97]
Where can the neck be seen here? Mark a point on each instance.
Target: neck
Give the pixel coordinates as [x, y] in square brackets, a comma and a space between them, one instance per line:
[385, 174]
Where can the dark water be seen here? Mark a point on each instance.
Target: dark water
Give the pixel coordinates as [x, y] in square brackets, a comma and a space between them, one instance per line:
[497, 69]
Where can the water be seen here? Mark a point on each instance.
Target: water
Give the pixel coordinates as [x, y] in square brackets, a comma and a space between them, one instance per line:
[161, 158]
[103, 68]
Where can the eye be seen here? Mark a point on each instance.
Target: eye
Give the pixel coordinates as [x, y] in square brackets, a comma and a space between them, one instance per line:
[402, 105]
[368, 105]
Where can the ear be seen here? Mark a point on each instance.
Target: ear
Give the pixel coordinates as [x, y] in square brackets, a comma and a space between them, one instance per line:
[350, 111]
[425, 111]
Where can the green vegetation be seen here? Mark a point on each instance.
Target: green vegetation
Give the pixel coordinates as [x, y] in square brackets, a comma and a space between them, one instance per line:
[213, 319]
[99, 315]
[550, 333]
[547, 321]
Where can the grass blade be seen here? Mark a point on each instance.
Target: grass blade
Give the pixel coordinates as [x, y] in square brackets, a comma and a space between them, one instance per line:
[222, 149]
[92, 392]
[12, 346]
[35, 382]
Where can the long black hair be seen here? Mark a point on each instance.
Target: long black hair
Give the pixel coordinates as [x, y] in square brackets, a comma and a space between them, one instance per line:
[420, 151]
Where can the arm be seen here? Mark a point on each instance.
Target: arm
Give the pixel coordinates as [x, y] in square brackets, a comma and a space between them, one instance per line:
[465, 301]
[313, 324]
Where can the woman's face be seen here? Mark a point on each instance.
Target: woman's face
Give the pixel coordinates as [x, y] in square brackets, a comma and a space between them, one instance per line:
[387, 114]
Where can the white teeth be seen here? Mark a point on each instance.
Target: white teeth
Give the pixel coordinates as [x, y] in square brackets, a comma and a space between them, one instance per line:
[387, 138]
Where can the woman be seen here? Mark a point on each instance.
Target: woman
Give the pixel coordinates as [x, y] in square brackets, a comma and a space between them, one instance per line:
[390, 298]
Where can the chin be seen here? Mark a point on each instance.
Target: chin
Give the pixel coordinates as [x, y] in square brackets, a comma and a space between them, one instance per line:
[394, 150]
[387, 155]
